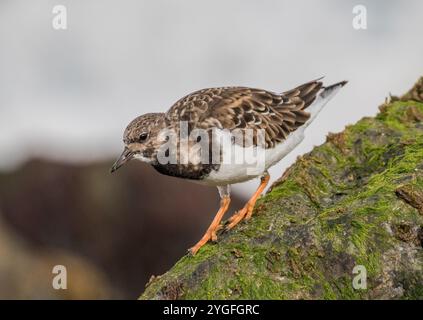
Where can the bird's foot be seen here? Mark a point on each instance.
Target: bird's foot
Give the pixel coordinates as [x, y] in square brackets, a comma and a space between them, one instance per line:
[243, 214]
[199, 244]
[246, 212]
[250, 209]
[210, 235]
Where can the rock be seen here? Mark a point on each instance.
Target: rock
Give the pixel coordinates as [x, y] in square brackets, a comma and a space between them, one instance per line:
[131, 224]
[353, 201]
[27, 274]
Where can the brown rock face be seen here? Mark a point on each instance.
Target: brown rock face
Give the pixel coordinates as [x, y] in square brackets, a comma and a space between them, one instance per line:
[27, 272]
[131, 225]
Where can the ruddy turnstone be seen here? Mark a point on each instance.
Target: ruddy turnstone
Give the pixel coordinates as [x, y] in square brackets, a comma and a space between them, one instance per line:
[182, 142]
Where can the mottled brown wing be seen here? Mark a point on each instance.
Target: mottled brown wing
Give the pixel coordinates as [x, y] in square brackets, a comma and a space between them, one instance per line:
[246, 108]
[197, 105]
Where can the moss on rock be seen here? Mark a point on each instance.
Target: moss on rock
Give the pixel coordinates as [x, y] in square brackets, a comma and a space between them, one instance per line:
[355, 200]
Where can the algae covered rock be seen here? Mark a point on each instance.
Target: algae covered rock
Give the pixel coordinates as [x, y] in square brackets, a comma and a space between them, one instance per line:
[344, 222]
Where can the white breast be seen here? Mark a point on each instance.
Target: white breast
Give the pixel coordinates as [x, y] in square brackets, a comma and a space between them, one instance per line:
[255, 161]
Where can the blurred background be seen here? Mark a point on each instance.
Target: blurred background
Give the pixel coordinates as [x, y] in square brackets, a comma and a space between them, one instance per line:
[67, 95]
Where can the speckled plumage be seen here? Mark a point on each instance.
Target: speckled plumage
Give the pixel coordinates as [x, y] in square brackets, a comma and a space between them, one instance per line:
[247, 108]
[231, 108]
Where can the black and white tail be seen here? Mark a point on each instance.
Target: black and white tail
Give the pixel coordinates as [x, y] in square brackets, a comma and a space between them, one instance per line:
[315, 96]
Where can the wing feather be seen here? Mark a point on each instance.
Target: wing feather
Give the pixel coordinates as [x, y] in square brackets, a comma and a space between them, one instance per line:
[247, 108]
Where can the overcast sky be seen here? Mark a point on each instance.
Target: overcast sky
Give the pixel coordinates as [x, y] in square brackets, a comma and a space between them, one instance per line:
[69, 94]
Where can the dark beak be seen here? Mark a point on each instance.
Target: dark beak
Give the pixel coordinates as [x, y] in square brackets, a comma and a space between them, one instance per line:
[124, 158]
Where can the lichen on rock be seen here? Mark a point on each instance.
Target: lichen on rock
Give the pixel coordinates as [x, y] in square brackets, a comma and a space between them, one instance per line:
[354, 201]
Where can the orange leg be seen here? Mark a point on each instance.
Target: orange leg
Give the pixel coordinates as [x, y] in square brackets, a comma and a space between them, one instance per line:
[247, 211]
[214, 227]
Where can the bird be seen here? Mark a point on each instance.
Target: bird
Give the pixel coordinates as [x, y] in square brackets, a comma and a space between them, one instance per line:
[270, 124]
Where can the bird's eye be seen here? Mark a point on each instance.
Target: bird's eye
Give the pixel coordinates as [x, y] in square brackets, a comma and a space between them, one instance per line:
[143, 136]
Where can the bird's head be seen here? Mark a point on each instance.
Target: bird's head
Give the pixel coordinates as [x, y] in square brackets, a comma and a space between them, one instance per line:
[141, 139]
